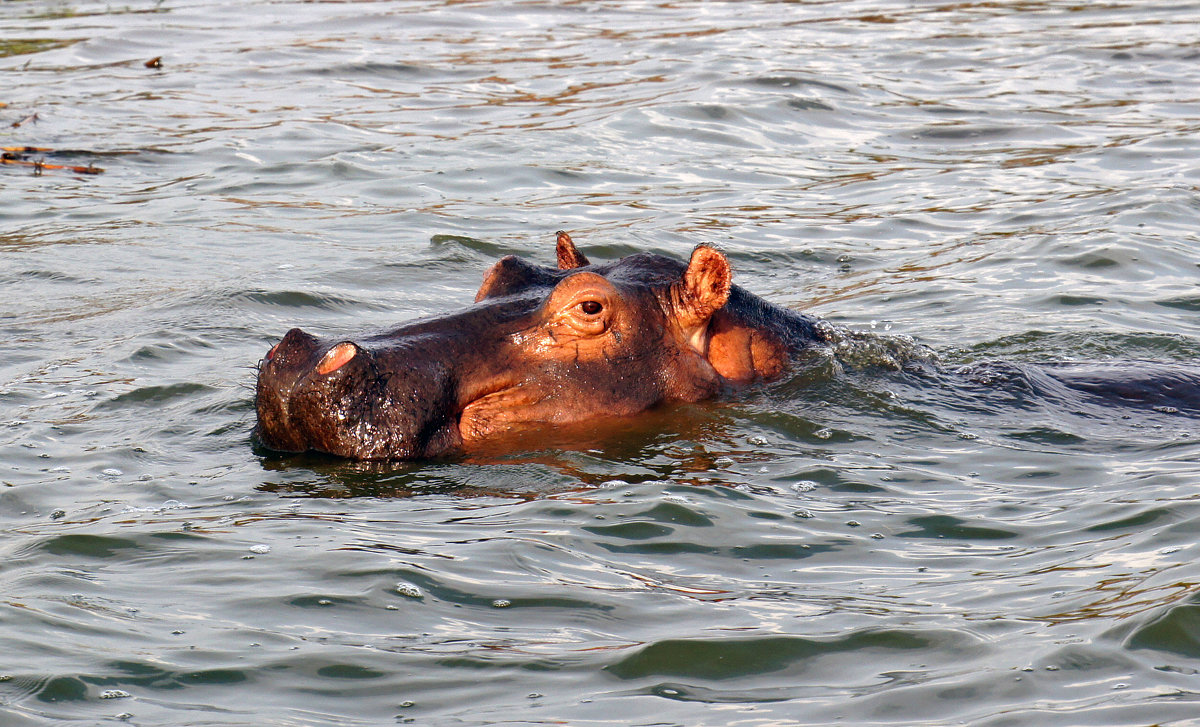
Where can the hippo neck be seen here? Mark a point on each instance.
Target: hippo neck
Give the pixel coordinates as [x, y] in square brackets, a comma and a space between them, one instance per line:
[750, 339]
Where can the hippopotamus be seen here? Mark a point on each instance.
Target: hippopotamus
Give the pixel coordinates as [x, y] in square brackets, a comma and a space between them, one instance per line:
[544, 347]
[540, 347]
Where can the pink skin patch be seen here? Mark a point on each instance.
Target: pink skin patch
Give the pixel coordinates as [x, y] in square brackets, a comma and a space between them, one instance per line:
[337, 357]
[271, 353]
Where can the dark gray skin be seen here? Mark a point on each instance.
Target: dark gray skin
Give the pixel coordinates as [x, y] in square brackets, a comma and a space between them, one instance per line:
[545, 347]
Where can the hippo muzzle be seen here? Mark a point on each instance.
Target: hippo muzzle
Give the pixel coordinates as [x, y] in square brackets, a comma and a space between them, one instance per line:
[345, 399]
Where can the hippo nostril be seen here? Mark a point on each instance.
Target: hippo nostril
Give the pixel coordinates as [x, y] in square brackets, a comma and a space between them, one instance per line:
[336, 357]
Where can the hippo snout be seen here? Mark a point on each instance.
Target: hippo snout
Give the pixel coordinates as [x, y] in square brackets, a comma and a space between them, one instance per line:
[299, 379]
[353, 399]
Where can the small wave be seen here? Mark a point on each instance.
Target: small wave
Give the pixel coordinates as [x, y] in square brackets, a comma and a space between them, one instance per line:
[859, 349]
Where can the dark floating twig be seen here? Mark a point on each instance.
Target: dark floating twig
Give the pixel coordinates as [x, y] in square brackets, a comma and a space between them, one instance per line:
[16, 156]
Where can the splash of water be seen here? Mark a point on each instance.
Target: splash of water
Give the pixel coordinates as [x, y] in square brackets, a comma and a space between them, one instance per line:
[861, 349]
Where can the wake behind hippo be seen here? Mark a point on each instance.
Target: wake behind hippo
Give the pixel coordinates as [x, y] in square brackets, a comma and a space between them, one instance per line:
[543, 347]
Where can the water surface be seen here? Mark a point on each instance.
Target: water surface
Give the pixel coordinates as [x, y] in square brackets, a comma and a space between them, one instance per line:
[851, 545]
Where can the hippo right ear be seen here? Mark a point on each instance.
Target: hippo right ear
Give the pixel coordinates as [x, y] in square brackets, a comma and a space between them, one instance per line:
[704, 288]
[568, 256]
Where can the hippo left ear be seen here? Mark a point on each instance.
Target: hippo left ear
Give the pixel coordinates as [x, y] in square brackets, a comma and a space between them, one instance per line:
[568, 255]
[704, 288]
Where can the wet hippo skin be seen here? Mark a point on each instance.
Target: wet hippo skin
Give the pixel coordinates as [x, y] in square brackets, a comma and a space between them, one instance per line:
[540, 346]
[544, 347]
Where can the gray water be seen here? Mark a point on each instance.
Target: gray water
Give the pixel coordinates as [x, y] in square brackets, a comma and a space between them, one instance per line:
[851, 545]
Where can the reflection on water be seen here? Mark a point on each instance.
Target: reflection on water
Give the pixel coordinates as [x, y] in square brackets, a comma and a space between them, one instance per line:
[901, 531]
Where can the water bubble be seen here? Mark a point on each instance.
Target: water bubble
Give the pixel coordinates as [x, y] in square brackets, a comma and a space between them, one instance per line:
[853, 523]
[501, 603]
[723, 461]
[1170, 549]
[58, 514]
[407, 703]
[111, 472]
[114, 694]
[803, 514]
[758, 441]
[877, 536]
[804, 486]
[324, 602]
[260, 549]
[408, 590]
[824, 433]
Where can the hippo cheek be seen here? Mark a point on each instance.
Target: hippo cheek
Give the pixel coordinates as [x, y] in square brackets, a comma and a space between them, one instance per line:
[537, 404]
[502, 411]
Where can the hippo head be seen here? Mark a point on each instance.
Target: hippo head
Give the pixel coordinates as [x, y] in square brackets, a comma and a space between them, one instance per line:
[540, 347]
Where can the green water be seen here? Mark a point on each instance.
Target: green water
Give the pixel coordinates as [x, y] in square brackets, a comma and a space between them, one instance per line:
[851, 545]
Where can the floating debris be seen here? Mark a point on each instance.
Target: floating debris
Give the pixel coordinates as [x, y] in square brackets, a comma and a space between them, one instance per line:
[27, 119]
[20, 156]
[409, 590]
[115, 694]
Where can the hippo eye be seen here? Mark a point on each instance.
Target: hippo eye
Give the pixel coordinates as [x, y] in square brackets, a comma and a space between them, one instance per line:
[591, 307]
